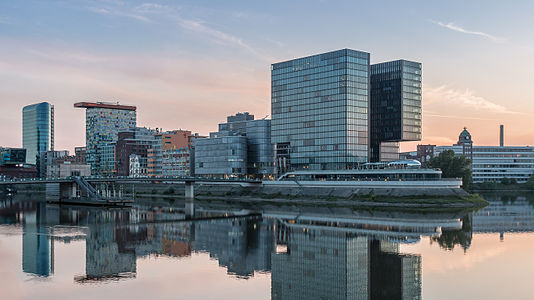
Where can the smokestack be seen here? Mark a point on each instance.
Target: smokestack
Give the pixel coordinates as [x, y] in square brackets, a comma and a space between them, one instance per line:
[502, 136]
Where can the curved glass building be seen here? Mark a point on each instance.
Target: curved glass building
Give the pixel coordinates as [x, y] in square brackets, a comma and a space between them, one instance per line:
[37, 130]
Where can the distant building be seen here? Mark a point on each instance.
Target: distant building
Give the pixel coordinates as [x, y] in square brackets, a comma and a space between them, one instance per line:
[138, 167]
[260, 154]
[425, 153]
[395, 107]
[18, 171]
[67, 169]
[493, 163]
[254, 159]
[221, 157]
[236, 124]
[171, 155]
[80, 154]
[103, 121]
[12, 156]
[59, 164]
[37, 130]
[135, 141]
[48, 164]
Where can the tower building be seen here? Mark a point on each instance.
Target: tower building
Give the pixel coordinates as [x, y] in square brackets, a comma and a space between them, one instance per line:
[396, 94]
[103, 121]
[37, 130]
[319, 109]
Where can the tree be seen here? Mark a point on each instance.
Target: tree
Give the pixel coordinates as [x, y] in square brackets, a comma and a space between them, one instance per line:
[530, 183]
[452, 166]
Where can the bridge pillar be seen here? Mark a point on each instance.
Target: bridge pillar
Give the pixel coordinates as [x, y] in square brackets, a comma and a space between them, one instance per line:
[189, 199]
[189, 190]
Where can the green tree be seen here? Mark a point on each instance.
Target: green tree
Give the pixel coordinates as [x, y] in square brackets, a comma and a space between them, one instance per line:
[452, 166]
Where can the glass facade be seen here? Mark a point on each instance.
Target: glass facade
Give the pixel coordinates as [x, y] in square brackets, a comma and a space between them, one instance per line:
[396, 94]
[260, 149]
[37, 130]
[221, 157]
[102, 127]
[320, 111]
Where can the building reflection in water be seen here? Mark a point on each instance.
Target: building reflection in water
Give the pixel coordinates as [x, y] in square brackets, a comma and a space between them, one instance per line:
[37, 246]
[308, 256]
[332, 263]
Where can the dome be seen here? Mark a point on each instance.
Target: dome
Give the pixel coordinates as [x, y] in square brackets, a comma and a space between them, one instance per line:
[465, 135]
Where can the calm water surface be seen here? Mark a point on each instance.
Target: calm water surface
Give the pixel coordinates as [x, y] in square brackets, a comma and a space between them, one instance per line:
[144, 252]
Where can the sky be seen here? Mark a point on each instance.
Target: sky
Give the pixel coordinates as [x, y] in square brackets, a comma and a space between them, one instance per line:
[189, 64]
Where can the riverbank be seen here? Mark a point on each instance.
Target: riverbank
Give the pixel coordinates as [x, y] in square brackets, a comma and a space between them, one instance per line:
[384, 198]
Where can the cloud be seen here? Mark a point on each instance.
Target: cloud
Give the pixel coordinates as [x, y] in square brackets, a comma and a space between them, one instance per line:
[460, 29]
[149, 12]
[466, 98]
[116, 12]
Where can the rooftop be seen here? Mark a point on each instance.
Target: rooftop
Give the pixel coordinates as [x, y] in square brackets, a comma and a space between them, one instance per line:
[104, 105]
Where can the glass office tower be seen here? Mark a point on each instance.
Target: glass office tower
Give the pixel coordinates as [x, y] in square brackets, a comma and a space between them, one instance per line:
[37, 130]
[320, 111]
[103, 121]
[396, 94]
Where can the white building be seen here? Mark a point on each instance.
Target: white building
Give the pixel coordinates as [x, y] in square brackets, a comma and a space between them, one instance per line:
[493, 163]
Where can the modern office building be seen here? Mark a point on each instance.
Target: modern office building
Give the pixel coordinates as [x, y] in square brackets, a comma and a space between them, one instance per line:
[395, 107]
[236, 124]
[320, 111]
[254, 159]
[37, 130]
[135, 141]
[260, 154]
[103, 121]
[221, 157]
[494, 163]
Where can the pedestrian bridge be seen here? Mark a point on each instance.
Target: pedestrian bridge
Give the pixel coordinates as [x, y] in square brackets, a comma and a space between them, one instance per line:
[102, 190]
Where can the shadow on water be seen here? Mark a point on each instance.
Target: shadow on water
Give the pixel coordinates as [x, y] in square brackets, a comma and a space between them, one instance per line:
[332, 253]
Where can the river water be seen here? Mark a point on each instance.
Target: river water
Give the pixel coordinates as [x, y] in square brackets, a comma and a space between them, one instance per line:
[157, 252]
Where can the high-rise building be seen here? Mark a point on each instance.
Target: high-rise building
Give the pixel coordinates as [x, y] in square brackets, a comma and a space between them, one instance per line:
[103, 121]
[37, 130]
[395, 108]
[319, 106]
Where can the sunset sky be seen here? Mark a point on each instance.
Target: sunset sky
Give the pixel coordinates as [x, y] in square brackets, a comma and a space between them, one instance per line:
[189, 64]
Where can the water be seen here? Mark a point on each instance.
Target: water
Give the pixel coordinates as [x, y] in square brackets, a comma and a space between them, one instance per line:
[154, 252]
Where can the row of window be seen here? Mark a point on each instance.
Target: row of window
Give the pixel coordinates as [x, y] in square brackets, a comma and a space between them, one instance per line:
[350, 69]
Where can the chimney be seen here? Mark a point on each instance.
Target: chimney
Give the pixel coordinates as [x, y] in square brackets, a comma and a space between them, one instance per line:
[502, 136]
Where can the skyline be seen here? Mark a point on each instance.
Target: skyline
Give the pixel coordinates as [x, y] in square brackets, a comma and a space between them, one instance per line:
[189, 66]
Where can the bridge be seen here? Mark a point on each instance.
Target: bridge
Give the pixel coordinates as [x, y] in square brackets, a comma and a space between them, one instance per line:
[84, 191]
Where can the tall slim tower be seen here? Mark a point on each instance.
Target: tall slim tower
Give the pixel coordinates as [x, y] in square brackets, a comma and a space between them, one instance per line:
[37, 130]
[103, 121]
